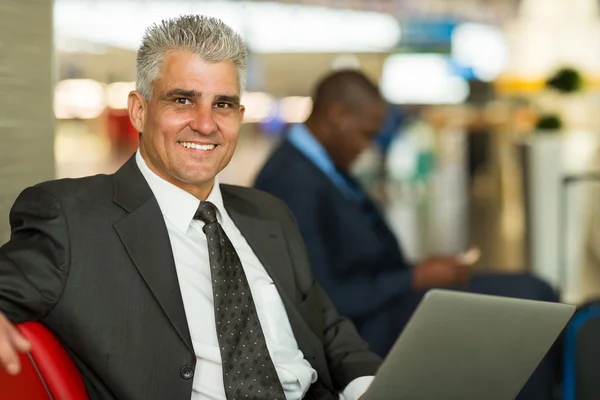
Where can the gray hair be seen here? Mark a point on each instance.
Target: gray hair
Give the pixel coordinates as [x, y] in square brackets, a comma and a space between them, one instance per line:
[207, 37]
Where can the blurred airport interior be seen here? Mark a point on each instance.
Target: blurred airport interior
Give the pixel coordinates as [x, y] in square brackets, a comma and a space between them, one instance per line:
[491, 140]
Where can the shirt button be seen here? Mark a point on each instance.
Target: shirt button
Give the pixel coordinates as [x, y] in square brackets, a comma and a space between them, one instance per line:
[186, 372]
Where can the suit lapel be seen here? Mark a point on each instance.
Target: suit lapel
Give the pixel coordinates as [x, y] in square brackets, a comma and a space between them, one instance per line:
[265, 237]
[267, 240]
[144, 235]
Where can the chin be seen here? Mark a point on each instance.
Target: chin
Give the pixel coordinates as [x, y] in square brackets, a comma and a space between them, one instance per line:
[196, 178]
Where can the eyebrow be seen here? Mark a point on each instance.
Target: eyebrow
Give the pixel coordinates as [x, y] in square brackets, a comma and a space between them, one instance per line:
[234, 99]
[181, 93]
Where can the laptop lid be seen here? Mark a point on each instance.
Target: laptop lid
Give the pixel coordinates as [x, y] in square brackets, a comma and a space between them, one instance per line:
[469, 346]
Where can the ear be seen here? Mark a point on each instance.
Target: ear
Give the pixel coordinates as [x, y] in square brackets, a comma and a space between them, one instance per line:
[336, 111]
[339, 115]
[137, 110]
[242, 112]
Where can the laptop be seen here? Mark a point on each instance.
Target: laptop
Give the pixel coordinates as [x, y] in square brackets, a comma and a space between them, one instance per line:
[468, 347]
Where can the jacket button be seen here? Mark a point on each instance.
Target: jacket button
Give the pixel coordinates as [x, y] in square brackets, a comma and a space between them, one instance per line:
[186, 372]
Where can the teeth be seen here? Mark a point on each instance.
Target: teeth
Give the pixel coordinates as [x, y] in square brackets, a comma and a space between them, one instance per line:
[196, 146]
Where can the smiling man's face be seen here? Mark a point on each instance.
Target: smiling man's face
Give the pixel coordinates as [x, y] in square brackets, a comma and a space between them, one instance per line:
[190, 125]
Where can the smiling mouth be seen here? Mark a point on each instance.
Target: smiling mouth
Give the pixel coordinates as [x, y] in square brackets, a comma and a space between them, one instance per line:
[196, 146]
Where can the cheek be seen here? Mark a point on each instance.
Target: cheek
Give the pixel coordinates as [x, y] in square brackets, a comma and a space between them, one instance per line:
[354, 140]
[173, 121]
[231, 137]
[229, 128]
[168, 127]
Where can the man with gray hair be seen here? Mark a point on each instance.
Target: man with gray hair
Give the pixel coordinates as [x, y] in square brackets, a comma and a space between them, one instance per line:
[160, 282]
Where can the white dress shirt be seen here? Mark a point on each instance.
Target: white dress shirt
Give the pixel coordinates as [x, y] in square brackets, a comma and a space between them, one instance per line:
[190, 252]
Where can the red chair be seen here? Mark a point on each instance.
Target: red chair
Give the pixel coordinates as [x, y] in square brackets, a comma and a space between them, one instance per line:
[47, 371]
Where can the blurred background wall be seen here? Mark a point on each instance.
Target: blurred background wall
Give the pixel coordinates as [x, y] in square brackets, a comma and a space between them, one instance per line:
[27, 123]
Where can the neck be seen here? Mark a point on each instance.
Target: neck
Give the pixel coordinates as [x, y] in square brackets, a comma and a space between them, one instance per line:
[199, 191]
[316, 126]
[321, 132]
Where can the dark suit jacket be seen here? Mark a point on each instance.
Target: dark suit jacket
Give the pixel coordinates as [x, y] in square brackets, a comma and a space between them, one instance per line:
[91, 259]
[354, 255]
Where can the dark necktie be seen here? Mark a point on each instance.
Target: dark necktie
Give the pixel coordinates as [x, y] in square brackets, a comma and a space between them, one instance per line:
[248, 371]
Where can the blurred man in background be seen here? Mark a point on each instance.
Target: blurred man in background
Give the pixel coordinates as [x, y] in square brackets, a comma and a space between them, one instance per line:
[355, 255]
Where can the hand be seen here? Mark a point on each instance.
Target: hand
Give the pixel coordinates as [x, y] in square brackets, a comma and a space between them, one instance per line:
[441, 272]
[11, 343]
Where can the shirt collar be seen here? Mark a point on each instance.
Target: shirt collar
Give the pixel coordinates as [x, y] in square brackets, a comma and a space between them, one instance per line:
[302, 139]
[177, 205]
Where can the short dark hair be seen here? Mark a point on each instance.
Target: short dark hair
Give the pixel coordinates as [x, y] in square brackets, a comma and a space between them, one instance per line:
[343, 86]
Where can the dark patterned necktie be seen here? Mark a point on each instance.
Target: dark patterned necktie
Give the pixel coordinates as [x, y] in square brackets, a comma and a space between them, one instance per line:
[248, 371]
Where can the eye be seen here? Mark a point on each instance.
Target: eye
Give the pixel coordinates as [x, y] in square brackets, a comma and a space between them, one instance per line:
[223, 105]
[182, 101]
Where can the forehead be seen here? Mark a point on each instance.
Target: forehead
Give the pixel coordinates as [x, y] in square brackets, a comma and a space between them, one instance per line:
[188, 71]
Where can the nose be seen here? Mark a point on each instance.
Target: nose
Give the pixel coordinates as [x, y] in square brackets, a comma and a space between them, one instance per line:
[203, 120]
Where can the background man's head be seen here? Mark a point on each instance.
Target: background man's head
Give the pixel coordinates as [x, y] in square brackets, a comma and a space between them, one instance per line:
[191, 72]
[347, 114]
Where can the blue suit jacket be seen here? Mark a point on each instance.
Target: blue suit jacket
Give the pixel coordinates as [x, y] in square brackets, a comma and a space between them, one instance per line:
[353, 253]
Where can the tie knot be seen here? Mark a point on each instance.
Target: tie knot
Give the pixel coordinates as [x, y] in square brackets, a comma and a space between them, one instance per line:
[207, 212]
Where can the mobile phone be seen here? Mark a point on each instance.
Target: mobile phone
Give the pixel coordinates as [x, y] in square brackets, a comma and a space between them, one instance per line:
[470, 256]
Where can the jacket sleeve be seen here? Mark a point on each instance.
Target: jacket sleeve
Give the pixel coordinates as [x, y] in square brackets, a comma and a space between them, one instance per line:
[34, 262]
